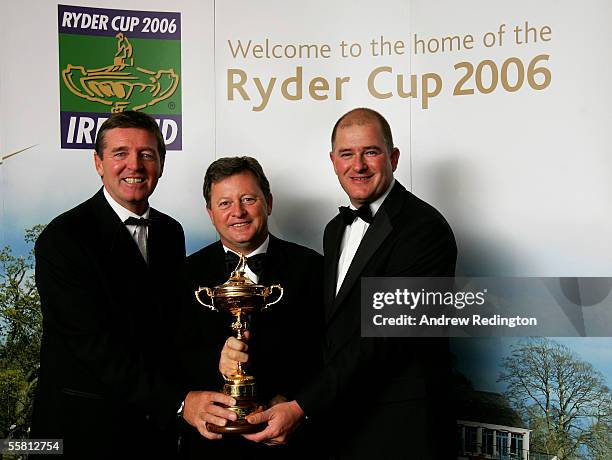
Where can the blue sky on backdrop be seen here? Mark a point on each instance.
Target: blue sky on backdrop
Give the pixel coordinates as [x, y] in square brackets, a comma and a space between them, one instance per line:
[479, 358]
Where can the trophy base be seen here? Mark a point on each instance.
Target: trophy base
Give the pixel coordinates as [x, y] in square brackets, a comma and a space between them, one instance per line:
[240, 426]
[244, 394]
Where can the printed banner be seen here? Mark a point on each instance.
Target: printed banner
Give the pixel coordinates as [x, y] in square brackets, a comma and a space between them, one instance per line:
[116, 60]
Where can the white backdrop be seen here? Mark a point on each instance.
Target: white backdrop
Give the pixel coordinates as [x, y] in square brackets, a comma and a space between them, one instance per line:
[523, 177]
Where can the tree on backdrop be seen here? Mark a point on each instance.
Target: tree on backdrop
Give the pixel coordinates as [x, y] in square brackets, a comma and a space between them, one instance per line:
[564, 400]
[20, 336]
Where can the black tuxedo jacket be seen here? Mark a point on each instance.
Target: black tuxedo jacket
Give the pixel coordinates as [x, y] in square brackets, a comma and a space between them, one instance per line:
[106, 381]
[384, 397]
[285, 344]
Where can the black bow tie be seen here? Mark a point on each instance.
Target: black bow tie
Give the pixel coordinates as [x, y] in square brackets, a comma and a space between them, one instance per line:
[137, 221]
[349, 215]
[255, 263]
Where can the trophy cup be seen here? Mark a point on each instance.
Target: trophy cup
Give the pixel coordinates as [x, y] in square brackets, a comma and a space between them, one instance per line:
[240, 297]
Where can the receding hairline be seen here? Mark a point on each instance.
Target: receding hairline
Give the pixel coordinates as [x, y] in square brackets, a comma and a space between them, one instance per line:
[363, 116]
[358, 117]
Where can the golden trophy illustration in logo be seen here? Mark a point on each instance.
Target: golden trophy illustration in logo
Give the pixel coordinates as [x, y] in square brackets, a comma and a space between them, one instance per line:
[240, 297]
[118, 84]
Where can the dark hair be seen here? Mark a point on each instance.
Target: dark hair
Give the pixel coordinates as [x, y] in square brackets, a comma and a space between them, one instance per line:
[360, 116]
[131, 119]
[228, 166]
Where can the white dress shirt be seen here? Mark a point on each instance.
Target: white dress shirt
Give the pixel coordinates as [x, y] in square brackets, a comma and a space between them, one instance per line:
[134, 230]
[353, 234]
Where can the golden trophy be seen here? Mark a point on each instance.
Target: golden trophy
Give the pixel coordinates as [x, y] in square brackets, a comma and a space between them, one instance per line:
[240, 297]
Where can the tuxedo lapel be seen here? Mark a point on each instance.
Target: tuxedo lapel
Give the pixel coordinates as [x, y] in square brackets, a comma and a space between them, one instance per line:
[155, 237]
[118, 256]
[113, 239]
[375, 235]
[160, 230]
[377, 232]
[213, 272]
[274, 264]
[331, 247]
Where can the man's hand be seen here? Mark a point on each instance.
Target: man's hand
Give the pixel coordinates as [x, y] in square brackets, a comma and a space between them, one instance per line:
[233, 352]
[200, 408]
[282, 420]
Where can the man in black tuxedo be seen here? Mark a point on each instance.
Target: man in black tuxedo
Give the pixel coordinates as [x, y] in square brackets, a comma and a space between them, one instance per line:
[285, 340]
[107, 272]
[380, 397]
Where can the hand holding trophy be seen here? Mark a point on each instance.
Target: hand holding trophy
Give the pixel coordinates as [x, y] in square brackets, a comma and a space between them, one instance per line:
[240, 297]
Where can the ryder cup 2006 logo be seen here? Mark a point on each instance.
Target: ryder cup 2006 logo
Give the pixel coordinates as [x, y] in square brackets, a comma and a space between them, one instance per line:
[116, 60]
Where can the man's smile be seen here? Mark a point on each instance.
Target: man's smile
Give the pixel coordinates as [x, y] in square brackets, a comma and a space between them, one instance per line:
[134, 180]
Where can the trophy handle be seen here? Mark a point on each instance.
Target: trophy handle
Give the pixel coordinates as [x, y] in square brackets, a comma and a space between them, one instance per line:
[208, 291]
[279, 287]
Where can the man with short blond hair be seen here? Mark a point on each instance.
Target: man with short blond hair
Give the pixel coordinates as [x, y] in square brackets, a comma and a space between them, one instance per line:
[379, 397]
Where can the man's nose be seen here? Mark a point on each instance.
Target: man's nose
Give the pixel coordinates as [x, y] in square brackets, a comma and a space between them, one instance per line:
[359, 164]
[134, 161]
[238, 208]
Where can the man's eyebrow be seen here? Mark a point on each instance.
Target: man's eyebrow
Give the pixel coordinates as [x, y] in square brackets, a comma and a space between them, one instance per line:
[367, 147]
[141, 149]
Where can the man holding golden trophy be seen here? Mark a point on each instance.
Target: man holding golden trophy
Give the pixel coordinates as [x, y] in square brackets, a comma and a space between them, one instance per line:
[265, 291]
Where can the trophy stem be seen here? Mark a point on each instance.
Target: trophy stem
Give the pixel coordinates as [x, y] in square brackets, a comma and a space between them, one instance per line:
[239, 326]
[241, 387]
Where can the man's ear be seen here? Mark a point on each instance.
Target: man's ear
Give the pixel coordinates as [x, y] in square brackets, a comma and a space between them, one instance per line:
[331, 158]
[395, 154]
[162, 163]
[269, 201]
[98, 163]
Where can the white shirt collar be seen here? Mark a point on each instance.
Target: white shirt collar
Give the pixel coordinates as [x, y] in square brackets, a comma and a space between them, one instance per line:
[262, 249]
[122, 212]
[375, 205]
